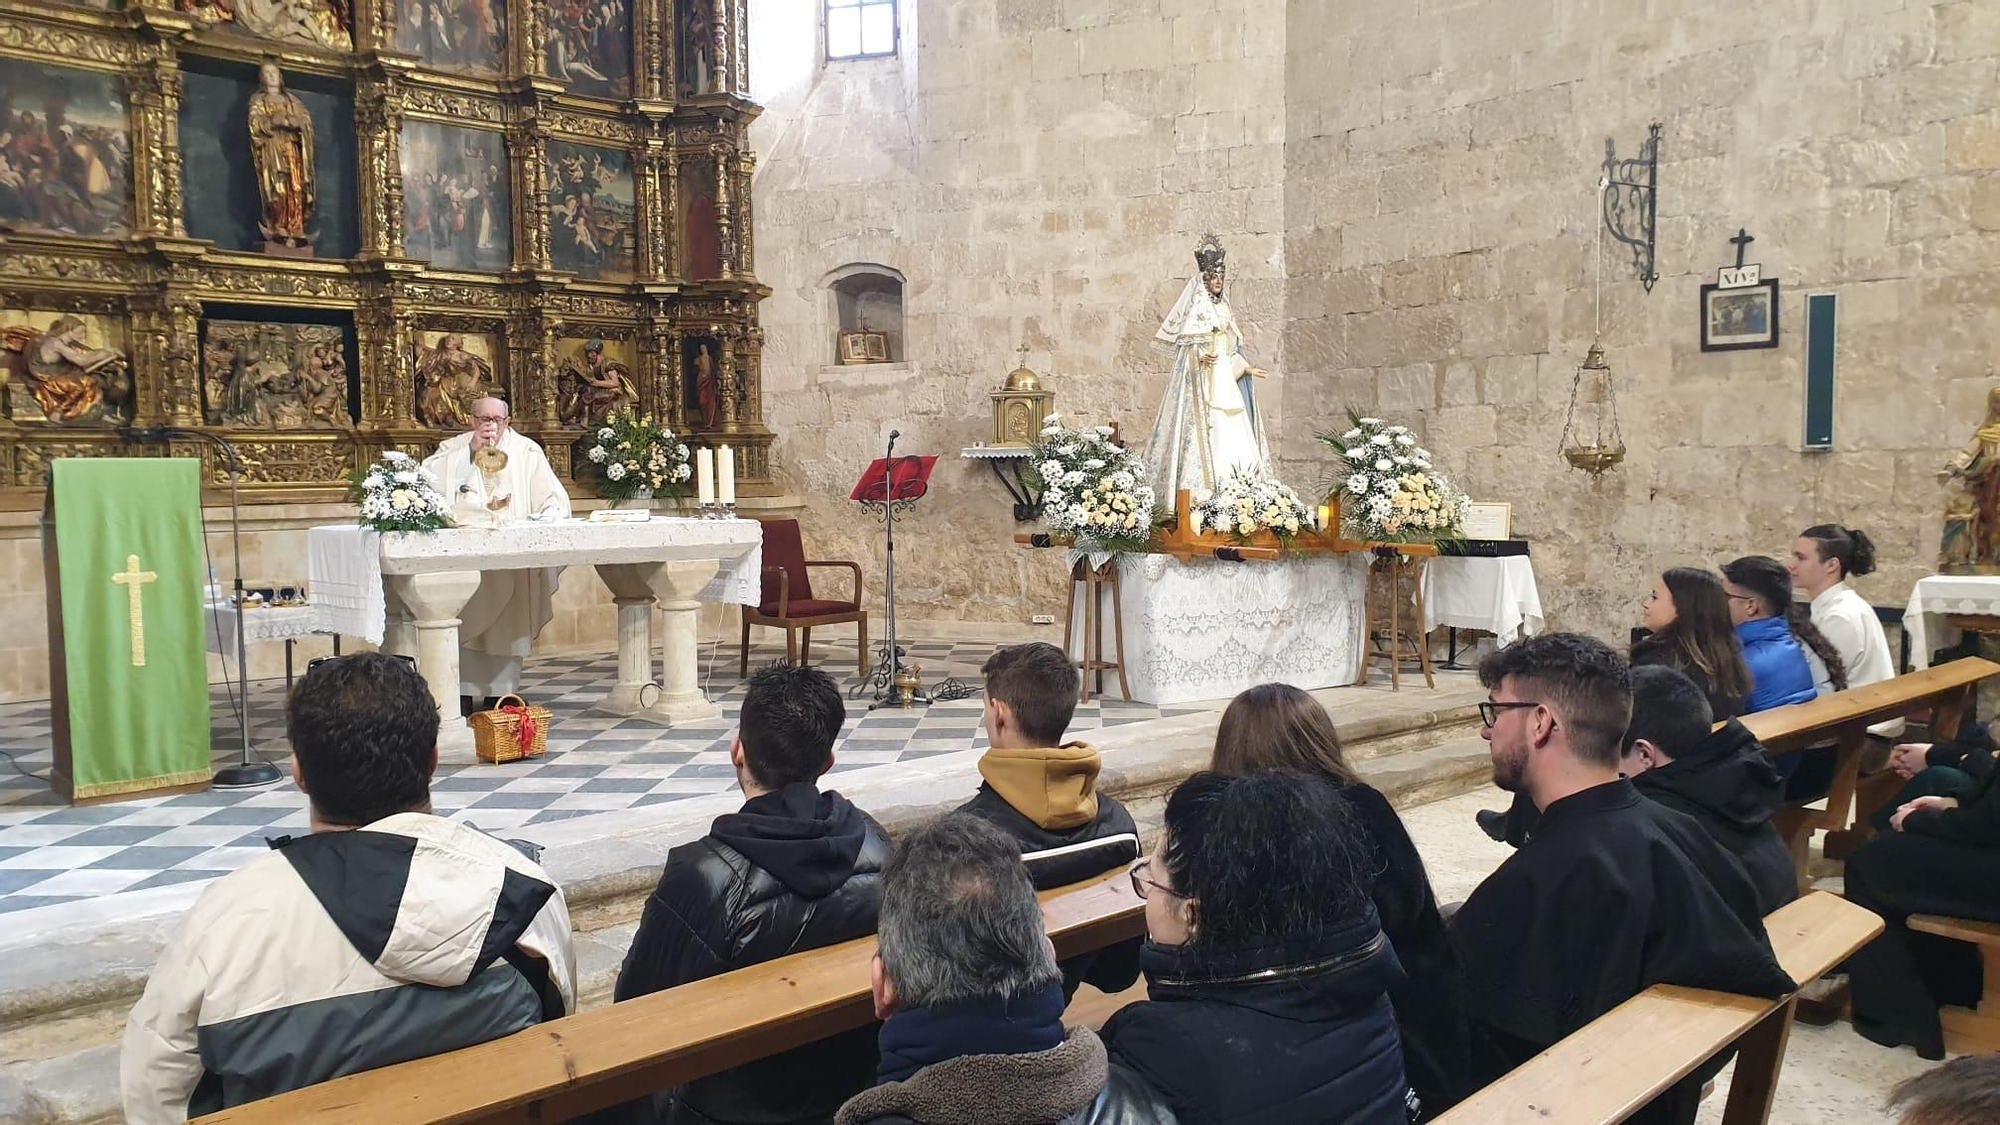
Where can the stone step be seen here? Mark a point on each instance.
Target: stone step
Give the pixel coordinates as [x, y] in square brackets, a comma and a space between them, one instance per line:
[63, 1002]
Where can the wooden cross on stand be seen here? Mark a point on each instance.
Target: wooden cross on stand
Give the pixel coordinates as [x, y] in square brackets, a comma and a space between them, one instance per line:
[1742, 240]
[134, 580]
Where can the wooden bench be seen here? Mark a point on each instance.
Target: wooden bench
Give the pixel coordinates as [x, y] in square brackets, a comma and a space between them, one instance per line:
[591, 1060]
[1845, 716]
[1622, 1060]
[1970, 1030]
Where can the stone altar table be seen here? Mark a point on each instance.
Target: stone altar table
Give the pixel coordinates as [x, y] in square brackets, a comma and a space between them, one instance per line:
[429, 577]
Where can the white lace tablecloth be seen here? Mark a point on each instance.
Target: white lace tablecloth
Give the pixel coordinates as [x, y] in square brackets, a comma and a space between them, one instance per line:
[275, 623]
[347, 563]
[1207, 629]
[1939, 595]
[1497, 595]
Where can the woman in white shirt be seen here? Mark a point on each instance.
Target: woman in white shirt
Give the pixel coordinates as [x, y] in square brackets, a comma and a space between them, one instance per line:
[1823, 559]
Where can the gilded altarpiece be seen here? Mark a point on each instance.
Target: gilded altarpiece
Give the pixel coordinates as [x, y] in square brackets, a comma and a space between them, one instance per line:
[537, 199]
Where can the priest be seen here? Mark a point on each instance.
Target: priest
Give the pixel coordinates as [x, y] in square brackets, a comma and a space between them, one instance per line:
[493, 477]
[1613, 893]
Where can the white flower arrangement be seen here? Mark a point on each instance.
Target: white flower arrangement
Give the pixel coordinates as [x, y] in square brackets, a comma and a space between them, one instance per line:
[1092, 490]
[1247, 503]
[1391, 491]
[634, 456]
[398, 494]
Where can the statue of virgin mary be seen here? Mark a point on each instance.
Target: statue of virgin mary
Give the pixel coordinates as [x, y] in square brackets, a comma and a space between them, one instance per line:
[1208, 426]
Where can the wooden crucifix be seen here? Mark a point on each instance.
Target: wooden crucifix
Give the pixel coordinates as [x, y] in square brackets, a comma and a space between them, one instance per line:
[1742, 240]
[134, 581]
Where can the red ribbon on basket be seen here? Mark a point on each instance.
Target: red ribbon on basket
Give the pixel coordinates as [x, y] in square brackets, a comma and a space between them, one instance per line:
[526, 729]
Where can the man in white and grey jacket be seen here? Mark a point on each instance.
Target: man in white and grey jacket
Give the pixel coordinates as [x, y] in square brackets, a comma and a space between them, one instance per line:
[386, 935]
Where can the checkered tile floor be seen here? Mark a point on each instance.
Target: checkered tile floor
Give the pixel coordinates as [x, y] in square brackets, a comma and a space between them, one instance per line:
[52, 854]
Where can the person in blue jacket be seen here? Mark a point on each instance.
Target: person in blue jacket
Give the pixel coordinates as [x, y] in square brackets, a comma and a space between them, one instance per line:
[1760, 593]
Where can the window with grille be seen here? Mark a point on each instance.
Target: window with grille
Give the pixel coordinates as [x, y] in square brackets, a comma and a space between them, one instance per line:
[860, 29]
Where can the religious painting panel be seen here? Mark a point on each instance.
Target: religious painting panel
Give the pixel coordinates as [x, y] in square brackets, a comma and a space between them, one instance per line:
[467, 36]
[270, 161]
[593, 223]
[594, 378]
[701, 243]
[65, 150]
[327, 24]
[702, 358]
[455, 370]
[695, 56]
[276, 376]
[456, 197]
[588, 43]
[1739, 318]
[64, 368]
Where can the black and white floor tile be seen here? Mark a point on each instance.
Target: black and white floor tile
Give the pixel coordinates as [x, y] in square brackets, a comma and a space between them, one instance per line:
[51, 853]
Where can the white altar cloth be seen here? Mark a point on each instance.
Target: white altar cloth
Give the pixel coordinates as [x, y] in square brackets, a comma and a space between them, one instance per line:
[427, 578]
[1497, 595]
[269, 623]
[1940, 595]
[1207, 629]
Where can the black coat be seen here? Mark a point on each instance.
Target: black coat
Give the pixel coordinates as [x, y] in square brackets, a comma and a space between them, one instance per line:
[1057, 858]
[1308, 1038]
[1728, 785]
[794, 870]
[1429, 1002]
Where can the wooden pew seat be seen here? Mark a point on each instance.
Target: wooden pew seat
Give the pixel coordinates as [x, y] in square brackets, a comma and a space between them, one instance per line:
[1625, 1058]
[1970, 1030]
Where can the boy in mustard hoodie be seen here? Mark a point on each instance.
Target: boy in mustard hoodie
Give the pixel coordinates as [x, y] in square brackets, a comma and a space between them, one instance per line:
[1042, 792]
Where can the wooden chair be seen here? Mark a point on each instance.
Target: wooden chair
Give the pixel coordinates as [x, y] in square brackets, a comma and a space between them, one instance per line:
[1970, 1030]
[788, 602]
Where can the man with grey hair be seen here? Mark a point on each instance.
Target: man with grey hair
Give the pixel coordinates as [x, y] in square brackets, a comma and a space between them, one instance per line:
[493, 476]
[966, 982]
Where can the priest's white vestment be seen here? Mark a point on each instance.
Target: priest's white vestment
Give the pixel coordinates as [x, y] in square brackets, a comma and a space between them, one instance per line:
[499, 625]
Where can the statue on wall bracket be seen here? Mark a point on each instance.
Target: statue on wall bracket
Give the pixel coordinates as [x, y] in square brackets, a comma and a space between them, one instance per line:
[1971, 541]
[281, 146]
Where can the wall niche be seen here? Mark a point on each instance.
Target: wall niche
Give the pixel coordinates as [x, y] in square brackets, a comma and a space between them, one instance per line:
[865, 306]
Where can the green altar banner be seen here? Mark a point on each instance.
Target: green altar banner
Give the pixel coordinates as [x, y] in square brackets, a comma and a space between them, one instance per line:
[122, 543]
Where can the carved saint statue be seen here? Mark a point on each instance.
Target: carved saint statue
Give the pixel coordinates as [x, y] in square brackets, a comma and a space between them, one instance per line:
[1974, 548]
[281, 145]
[594, 387]
[1208, 427]
[68, 380]
[452, 379]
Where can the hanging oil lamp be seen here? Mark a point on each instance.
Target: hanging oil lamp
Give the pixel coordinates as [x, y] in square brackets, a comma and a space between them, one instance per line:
[1600, 447]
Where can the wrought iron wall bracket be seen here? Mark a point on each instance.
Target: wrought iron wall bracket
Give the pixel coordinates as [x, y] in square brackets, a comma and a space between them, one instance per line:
[1631, 201]
[1008, 468]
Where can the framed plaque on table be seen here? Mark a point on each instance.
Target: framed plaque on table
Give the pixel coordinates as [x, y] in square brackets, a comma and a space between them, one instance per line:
[1488, 521]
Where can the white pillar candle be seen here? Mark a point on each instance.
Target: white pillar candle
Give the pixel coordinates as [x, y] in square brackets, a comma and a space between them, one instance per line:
[704, 476]
[725, 475]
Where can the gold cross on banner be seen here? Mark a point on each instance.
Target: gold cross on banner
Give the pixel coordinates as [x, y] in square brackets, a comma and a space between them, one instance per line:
[134, 580]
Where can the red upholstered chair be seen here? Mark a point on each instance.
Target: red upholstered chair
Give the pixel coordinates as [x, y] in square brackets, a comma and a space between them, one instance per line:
[788, 602]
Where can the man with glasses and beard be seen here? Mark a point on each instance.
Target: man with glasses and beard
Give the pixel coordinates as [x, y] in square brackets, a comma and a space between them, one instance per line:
[1613, 893]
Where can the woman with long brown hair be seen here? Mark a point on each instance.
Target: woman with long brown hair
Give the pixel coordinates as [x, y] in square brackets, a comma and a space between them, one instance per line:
[1688, 612]
[1277, 727]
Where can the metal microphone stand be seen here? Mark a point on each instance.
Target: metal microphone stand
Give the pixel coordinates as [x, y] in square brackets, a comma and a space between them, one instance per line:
[897, 684]
[246, 773]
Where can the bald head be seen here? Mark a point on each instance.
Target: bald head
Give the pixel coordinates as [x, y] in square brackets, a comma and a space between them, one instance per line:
[489, 421]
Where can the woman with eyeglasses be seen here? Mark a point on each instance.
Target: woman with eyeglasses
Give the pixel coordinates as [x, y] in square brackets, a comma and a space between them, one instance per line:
[1266, 970]
[1275, 727]
[1688, 613]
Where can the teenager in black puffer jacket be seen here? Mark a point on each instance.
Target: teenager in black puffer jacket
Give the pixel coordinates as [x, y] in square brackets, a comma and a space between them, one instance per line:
[794, 869]
[1267, 973]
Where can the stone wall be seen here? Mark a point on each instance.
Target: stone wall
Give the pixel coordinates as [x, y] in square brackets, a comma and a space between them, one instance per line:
[1039, 171]
[1441, 162]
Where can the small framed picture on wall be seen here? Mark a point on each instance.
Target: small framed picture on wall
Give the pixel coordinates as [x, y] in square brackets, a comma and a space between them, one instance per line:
[1738, 318]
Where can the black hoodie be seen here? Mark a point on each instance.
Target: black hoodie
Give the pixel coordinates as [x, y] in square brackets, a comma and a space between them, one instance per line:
[1727, 783]
[793, 870]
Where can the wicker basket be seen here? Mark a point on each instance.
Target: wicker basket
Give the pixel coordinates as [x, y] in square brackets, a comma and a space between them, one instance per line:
[514, 730]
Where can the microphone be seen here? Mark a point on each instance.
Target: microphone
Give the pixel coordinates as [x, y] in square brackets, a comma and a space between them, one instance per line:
[894, 434]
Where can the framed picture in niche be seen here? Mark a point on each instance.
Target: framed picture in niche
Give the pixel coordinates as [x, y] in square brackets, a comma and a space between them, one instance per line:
[588, 43]
[592, 217]
[456, 196]
[460, 35]
[701, 382]
[1739, 318]
[66, 165]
